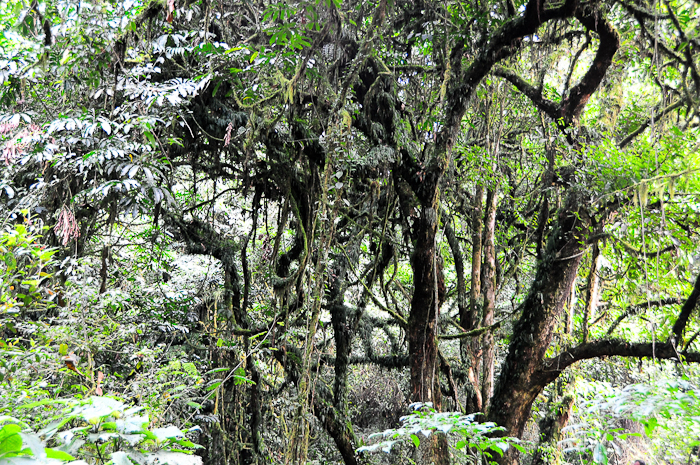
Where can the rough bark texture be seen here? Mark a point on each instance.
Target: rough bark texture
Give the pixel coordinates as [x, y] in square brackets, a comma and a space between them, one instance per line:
[428, 296]
[532, 334]
[551, 368]
[570, 311]
[469, 319]
[466, 344]
[429, 290]
[688, 307]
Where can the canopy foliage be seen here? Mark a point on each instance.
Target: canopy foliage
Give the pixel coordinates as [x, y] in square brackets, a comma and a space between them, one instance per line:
[469, 196]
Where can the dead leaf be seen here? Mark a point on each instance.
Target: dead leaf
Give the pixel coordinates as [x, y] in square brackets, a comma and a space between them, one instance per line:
[100, 378]
[171, 8]
[71, 360]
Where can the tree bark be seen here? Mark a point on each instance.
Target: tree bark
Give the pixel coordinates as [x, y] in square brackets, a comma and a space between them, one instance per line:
[429, 291]
[592, 293]
[517, 388]
[428, 296]
[489, 291]
[686, 310]
[570, 311]
[469, 318]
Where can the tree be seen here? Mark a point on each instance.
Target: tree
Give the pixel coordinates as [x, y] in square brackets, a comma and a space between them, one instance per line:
[372, 130]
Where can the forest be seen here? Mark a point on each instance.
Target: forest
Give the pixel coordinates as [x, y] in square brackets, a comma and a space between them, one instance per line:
[349, 232]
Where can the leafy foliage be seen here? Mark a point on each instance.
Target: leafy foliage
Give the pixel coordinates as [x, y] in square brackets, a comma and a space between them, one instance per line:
[26, 270]
[106, 429]
[215, 211]
[477, 439]
[667, 409]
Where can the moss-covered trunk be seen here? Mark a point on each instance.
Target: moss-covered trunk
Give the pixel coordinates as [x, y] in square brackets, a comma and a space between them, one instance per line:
[592, 293]
[429, 289]
[428, 295]
[517, 387]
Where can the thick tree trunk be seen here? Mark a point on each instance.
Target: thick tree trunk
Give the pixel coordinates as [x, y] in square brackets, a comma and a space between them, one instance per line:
[517, 385]
[428, 295]
[429, 290]
[570, 311]
[341, 330]
[489, 291]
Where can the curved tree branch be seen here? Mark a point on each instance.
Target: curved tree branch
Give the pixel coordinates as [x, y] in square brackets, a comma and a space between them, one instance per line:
[551, 368]
[571, 107]
[534, 94]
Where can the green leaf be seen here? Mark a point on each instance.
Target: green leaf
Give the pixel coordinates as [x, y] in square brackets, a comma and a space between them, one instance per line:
[47, 254]
[650, 426]
[216, 370]
[416, 441]
[58, 454]
[174, 458]
[120, 458]
[520, 448]
[169, 432]
[10, 440]
[53, 427]
[9, 430]
[100, 407]
[131, 424]
[10, 261]
[213, 386]
[241, 380]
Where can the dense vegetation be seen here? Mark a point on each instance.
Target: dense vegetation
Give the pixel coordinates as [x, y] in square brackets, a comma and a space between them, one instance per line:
[256, 232]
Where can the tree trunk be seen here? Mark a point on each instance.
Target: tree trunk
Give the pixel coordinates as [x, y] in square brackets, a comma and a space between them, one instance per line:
[469, 318]
[429, 289]
[428, 295]
[570, 311]
[517, 386]
[489, 291]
